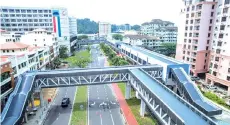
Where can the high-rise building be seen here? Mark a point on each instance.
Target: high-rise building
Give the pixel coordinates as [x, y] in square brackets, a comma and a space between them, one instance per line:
[203, 39]
[104, 29]
[219, 62]
[166, 31]
[73, 26]
[23, 19]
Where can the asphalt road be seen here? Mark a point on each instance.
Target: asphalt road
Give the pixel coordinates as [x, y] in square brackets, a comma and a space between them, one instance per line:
[103, 108]
[58, 115]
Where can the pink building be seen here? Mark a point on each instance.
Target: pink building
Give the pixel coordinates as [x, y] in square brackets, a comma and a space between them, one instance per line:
[203, 38]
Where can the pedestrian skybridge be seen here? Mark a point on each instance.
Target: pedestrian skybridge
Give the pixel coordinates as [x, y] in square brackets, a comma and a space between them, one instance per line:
[168, 107]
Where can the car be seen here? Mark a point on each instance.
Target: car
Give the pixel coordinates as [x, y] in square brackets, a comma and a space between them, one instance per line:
[65, 102]
[195, 78]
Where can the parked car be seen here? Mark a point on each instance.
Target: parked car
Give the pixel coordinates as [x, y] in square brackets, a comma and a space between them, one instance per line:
[195, 78]
[212, 87]
[65, 102]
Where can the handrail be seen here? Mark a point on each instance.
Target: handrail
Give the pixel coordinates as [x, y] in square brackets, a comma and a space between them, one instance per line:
[205, 117]
[3, 114]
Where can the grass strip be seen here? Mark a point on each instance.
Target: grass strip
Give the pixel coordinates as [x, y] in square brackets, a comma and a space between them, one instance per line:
[79, 115]
[134, 105]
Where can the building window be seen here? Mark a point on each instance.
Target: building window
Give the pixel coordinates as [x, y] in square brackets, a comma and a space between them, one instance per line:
[7, 51]
[210, 28]
[207, 41]
[191, 21]
[12, 50]
[187, 9]
[212, 14]
[228, 78]
[213, 6]
[223, 19]
[186, 21]
[209, 34]
[206, 47]
[187, 15]
[217, 59]
[225, 10]
[206, 54]
[226, 2]
[204, 67]
[222, 27]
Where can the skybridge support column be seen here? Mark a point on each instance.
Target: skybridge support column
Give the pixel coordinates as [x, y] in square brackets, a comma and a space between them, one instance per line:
[137, 95]
[142, 110]
[32, 100]
[25, 117]
[127, 90]
[41, 99]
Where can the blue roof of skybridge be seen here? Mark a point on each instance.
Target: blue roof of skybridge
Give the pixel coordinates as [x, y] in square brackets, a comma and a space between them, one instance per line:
[154, 55]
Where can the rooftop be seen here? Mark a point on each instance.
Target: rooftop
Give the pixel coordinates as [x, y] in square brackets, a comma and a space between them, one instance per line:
[157, 21]
[141, 37]
[13, 45]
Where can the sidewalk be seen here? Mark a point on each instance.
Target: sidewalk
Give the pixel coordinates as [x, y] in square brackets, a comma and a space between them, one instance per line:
[41, 113]
[130, 119]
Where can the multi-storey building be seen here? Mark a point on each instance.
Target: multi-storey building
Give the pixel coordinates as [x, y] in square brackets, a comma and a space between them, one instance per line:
[40, 49]
[7, 80]
[203, 39]
[142, 40]
[9, 36]
[219, 64]
[23, 19]
[165, 30]
[73, 26]
[104, 29]
[194, 37]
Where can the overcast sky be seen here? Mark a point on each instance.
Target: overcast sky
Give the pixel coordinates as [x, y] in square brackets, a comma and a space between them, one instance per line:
[113, 11]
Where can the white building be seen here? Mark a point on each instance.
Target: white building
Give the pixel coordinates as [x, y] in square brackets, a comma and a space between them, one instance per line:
[23, 19]
[165, 30]
[9, 36]
[142, 40]
[73, 26]
[104, 29]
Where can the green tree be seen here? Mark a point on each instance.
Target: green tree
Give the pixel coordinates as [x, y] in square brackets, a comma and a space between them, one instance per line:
[168, 49]
[86, 26]
[82, 37]
[63, 52]
[115, 61]
[56, 62]
[136, 27]
[123, 62]
[118, 37]
[88, 48]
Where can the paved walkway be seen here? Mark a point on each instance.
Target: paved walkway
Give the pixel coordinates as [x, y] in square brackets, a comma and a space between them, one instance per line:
[130, 119]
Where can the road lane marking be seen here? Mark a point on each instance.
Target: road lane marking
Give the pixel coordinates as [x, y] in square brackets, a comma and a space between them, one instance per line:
[112, 118]
[72, 106]
[88, 106]
[98, 97]
[101, 119]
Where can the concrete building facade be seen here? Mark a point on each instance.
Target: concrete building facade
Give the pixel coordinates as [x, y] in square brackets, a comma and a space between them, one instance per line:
[165, 30]
[203, 40]
[104, 29]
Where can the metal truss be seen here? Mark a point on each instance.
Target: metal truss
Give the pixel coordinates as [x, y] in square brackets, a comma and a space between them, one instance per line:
[81, 80]
[161, 110]
[155, 74]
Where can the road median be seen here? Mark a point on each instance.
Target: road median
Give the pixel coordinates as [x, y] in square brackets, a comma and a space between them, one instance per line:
[79, 114]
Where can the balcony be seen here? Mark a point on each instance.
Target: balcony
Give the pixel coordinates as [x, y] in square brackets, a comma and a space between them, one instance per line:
[6, 80]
